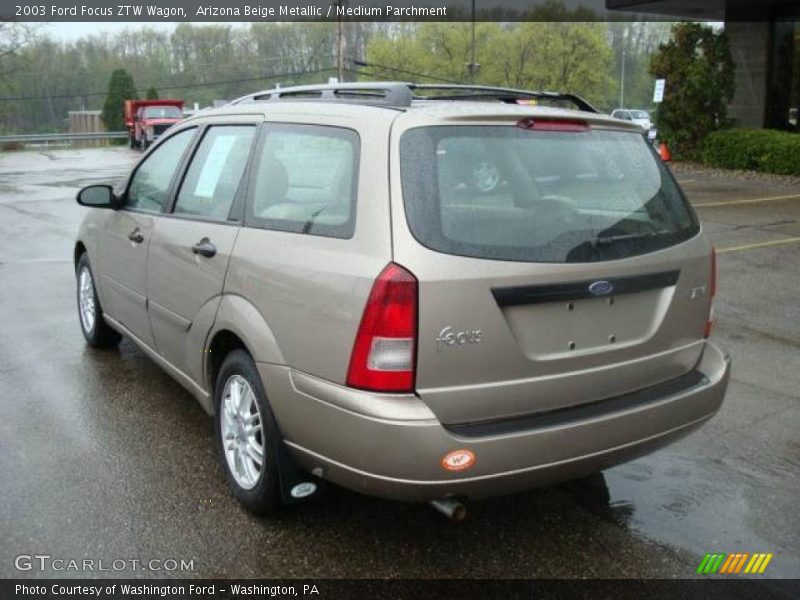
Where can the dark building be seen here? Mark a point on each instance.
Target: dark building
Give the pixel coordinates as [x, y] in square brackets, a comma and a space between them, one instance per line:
[765, 43]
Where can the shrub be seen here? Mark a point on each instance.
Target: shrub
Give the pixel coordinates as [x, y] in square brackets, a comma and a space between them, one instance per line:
[697, 65]
[764, 150]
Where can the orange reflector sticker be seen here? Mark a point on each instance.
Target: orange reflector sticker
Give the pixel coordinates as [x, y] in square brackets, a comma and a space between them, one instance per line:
[458, 460]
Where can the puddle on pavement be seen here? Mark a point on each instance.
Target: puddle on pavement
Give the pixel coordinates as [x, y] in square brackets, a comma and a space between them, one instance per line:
[671, 501]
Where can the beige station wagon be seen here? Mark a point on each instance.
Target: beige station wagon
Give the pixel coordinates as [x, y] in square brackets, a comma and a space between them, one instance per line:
[427, 293]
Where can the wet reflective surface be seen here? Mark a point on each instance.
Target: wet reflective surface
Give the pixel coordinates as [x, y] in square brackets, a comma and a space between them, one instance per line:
[103, 456]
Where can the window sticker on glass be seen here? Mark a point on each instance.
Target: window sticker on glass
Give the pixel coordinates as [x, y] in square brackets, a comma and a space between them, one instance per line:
[213, 166]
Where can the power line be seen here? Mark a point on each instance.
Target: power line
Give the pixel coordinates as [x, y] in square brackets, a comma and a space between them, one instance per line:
[373, 65]
[171, 87]
[370, 65]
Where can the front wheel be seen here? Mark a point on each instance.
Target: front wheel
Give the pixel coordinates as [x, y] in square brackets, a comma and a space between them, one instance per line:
[94, 328]
[247, 435]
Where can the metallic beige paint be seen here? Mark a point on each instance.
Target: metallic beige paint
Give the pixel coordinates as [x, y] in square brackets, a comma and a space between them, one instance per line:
[373, 450]
[296, 302]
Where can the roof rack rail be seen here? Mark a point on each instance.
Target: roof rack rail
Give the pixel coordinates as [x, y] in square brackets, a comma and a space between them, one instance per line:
[485, 92]
[400, 94]
[384, 93]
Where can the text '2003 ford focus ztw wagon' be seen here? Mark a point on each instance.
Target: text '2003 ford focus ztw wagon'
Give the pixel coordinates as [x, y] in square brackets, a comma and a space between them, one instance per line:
[417, 292]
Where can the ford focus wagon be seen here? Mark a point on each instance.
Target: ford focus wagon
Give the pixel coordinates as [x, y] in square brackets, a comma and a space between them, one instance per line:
[426, 293]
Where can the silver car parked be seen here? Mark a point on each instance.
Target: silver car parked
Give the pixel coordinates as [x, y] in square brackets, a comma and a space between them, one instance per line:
[426, 293]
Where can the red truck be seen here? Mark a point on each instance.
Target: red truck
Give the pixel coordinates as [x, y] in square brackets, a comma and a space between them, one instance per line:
[148, 119]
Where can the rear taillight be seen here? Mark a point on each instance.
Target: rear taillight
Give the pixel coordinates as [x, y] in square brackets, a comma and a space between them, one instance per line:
[712, 291]
[383, 357]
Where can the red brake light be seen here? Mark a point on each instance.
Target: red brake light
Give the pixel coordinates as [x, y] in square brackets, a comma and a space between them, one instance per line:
[384, 352]
[572, 125]
[712, 291]
[713, 284]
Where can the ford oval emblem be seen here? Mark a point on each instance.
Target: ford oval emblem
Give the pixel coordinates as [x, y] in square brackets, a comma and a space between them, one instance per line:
[601, 288]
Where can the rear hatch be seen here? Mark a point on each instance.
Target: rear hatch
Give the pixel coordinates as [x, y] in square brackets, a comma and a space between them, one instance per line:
[558, 264]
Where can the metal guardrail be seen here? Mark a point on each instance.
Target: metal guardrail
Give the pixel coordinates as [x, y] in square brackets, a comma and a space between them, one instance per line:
[63, 137]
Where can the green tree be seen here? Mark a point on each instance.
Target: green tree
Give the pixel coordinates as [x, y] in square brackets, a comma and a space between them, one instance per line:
[699, 70]
[634, 42]
[564, 56]
[120, 88]
[152, 93]
[14, 37]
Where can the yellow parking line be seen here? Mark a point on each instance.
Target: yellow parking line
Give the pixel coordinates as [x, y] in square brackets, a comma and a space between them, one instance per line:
[759, 245]
[747, 201]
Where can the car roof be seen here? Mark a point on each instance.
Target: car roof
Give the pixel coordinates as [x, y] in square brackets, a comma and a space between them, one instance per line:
[391, 100]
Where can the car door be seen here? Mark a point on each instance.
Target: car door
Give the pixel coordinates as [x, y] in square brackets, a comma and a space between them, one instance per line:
[192, 244]
[125, 240]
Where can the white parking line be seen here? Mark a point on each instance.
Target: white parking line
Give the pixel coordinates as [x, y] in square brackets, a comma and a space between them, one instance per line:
[759, 245]
[747, 201]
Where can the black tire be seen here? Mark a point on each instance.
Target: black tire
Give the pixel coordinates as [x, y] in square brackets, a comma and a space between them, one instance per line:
[98, 333]
[143, 144]
[265, 496]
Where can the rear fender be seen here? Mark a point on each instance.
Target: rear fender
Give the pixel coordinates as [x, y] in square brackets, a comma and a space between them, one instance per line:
[240, 317]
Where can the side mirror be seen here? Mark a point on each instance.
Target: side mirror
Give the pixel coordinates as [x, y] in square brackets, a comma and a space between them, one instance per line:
[98, 196]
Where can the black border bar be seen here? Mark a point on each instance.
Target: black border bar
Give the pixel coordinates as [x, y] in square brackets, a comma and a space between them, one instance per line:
[706, 588]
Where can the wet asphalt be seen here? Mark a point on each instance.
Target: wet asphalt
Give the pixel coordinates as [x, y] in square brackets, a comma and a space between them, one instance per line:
[103, 456]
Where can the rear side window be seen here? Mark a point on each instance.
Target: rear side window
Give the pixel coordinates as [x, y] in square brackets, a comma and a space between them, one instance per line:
[215, 172]
[305, 180]
[502, 192]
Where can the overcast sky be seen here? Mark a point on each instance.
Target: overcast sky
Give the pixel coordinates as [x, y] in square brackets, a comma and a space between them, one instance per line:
[74, 31]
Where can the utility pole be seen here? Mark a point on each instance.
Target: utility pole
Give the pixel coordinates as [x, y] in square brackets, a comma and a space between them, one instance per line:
[339, 53]
[472, 67]
[622, 82]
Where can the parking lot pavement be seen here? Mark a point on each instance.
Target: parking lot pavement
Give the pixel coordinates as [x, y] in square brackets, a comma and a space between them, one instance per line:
[103, 456]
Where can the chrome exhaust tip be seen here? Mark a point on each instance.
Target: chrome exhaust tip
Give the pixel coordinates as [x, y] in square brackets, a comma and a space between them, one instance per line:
[450, 508]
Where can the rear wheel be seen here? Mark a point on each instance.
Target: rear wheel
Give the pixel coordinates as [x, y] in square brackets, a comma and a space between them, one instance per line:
[90, 313]
[247, 435]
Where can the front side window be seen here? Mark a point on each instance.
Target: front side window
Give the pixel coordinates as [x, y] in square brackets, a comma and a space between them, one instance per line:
[150, 183]
[215, 172]
[502, 192]
[305, 180]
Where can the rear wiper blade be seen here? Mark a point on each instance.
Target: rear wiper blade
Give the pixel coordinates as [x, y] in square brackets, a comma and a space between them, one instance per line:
[604, 240]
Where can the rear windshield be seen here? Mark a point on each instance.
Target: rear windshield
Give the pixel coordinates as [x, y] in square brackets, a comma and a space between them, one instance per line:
[502, 192]
[162, 112]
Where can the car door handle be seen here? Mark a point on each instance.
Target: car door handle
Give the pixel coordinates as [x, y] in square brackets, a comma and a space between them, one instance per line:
[205, 248]
[136, 236]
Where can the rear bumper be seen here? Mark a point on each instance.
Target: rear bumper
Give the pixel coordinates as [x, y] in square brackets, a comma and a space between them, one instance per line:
[392, 446]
